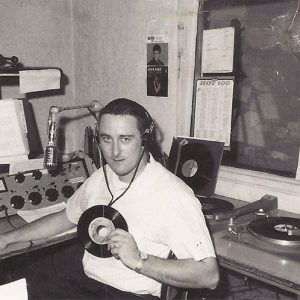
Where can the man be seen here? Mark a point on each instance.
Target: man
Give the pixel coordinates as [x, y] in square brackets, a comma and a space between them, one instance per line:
[155, 61]
[160, 210]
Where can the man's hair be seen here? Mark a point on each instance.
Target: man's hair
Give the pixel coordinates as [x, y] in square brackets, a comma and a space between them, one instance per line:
[127, 107]
[157, 47]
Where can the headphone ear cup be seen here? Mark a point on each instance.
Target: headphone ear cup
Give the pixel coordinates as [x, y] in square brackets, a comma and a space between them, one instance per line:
[148, 134]
[145, 139]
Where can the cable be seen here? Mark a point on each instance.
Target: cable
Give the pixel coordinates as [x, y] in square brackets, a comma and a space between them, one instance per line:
[92, 113]
[135, 171]
[107, 184]
[3, 207]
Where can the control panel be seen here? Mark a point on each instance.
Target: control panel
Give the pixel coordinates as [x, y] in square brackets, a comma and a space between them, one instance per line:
[41, 188]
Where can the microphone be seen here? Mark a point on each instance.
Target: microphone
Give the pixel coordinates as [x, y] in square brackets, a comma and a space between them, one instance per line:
[50, 155]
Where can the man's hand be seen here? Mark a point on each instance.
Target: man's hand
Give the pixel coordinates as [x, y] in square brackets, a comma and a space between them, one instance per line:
[123, 246]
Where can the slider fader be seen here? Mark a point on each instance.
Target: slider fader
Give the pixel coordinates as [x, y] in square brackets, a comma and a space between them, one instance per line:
[41, 188]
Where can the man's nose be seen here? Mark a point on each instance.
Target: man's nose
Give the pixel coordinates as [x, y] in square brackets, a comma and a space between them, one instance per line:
[116, 149]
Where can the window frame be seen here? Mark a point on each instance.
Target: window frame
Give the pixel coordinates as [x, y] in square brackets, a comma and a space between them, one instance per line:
[244, 184]
[251, 185]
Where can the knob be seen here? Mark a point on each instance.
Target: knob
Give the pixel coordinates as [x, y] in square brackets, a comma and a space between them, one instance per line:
[67, 191]
[35, 198]
[19, 178]
[51, 194]
[17, 202]
[53, 173]
[37, 175]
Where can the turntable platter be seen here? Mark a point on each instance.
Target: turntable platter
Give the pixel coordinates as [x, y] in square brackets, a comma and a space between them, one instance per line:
[278, 230]
[212, 205]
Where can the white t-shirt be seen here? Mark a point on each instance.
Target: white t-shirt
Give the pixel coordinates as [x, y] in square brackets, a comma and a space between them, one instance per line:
[162, 214]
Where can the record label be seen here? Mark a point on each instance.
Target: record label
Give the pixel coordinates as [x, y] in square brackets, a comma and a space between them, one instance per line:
[99, 230]
[196, 166]
[95, 226]
[189, 168]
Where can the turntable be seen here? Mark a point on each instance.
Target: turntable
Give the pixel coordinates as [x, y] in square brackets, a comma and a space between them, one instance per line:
[254, 239]
[270, 232]
[260, 241]
[277, 230]
[260, 221]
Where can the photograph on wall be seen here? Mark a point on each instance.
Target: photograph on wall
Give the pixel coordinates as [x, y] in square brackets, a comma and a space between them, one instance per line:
[157, 67]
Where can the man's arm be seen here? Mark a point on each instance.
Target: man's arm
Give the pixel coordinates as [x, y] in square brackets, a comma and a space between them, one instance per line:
[42, 228]
[185, 273]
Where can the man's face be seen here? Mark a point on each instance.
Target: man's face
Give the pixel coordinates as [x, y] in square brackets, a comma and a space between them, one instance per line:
[156, 55]
[121, 144]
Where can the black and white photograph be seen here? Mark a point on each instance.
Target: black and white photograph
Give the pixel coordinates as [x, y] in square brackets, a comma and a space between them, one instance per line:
[157, 69]
[149, 150]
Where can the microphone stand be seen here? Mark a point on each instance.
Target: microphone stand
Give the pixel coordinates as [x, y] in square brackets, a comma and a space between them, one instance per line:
[50, 154]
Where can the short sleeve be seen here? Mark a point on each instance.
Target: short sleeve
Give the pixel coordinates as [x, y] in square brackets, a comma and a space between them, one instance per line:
[186, 232]
[78, 203]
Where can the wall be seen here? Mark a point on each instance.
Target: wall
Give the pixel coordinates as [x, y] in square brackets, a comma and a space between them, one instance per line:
[100, 47]
[39, 33]
[110, 54]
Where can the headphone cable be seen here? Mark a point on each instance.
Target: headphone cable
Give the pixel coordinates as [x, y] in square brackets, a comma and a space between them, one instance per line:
[112, 201]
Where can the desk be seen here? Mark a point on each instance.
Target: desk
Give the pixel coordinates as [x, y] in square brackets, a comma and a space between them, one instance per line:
[52, 267]
[270, 264]
[277, 269]
[20, 248]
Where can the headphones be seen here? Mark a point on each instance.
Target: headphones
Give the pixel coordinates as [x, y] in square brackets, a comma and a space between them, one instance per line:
[148, 133]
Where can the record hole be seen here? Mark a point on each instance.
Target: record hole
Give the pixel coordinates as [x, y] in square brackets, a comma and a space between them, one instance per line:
[102, 231]
[189, 168]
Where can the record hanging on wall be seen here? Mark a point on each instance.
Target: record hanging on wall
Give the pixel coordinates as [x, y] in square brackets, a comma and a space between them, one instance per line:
[197, 163]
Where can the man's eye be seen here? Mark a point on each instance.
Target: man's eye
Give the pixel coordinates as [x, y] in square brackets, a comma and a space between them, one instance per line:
[125, 139]
[106, 139]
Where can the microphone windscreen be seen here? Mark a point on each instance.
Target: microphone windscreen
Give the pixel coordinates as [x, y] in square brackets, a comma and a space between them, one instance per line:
[50, 157]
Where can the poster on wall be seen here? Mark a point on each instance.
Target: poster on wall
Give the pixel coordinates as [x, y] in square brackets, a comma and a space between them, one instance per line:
[217, 50]
[157, 66]
[213, 109]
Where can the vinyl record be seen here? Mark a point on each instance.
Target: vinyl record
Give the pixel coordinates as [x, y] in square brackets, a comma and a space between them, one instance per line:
[278, 230]
[196, 166]
[211, 206]
[94, 227]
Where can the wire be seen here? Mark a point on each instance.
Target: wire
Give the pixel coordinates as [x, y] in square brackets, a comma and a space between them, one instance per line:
[92, 113]
[294, 17]
[107, 184]
[3, 207]
[135, 171]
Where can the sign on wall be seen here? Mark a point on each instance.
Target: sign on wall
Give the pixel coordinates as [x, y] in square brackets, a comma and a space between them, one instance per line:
[213, 109]
[157, 66]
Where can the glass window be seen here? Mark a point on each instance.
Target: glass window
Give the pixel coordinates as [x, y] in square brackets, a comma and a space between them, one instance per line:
[266, 103]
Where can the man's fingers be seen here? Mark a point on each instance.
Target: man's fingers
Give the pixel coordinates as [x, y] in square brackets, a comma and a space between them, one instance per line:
[118, 232]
